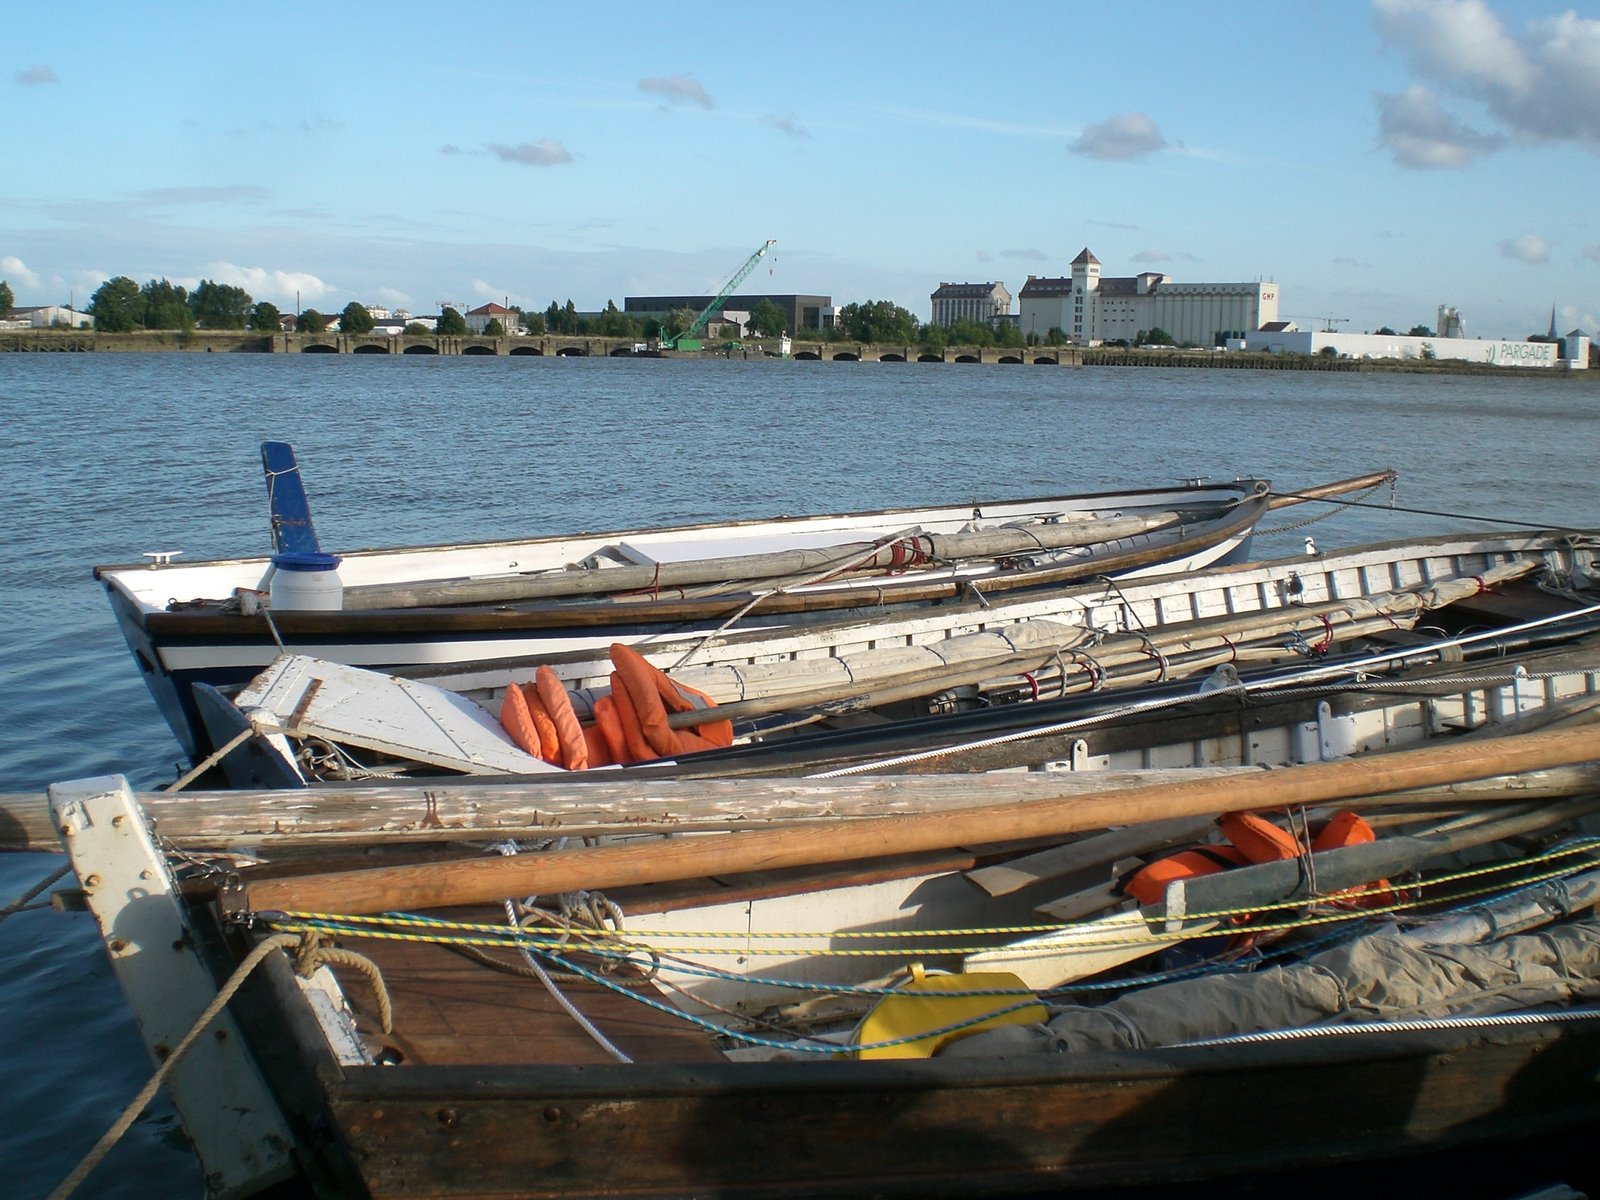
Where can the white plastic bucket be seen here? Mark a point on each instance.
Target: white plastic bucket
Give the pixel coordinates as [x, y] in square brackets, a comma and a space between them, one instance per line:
[307, 582]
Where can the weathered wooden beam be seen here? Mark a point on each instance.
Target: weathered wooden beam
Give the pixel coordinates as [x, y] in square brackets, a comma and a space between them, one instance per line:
[482, 880]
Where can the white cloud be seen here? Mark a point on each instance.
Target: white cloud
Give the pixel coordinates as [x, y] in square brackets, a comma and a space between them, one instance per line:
[546, 152]
[1570, 316]
[485, 290]
[15, 271]
[677, 89]
[1416, 130]
[1529, 248]
[1543, 82]
[1152, 256]
[1592, 253]
[262, 283]
[1455, 40]
[391, 297]
[34, 76]
[1119, 138]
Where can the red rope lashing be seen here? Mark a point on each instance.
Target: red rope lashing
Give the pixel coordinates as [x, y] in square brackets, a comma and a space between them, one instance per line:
[1327, 636]
[1033, 686]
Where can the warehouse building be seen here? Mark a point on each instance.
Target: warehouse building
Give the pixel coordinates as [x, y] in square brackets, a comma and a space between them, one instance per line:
[1089, 308]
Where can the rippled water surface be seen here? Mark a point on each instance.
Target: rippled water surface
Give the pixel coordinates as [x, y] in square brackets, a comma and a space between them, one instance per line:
[107, 456]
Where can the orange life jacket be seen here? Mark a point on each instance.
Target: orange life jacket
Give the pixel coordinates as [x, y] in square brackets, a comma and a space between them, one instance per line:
[1254, 839]
[574, 747]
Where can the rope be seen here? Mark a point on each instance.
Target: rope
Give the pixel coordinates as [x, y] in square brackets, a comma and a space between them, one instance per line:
[1333, 511]
[1351, 678]
[1456, 516]
[281, 941]
[1487, 1021]
[556, 994]
[22, 902]
[922, 941]
[212, 759]
[834, 569]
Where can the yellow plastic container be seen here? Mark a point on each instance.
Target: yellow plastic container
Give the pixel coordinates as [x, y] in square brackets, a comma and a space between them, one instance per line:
[926, 1005]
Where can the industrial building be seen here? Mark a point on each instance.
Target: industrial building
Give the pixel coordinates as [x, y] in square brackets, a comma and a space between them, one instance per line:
[1089, 308]
[1570, 352]
[983, 303]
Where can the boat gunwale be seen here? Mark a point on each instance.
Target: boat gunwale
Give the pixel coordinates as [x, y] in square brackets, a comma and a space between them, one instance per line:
[1235, 490]
[600, 1080]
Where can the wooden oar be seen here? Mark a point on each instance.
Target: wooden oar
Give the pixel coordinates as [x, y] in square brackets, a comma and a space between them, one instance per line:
[483, 880]
[884, 554]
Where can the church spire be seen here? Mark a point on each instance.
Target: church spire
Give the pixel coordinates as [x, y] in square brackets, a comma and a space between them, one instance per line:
[1552, 322]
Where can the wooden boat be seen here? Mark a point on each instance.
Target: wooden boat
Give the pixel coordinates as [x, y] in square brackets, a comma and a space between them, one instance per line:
[218, 622]
[618, 1078]
[814, 698]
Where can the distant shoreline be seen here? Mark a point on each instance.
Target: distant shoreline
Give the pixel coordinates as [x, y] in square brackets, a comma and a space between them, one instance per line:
[573, 346]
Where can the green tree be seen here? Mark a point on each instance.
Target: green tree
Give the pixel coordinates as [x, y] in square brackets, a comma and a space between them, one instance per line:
[1056, 336]
[1156, 337]
[117, 305]
[533, 323]
[265, 317]
[1384, 331]
[651, 328]
[416, 329]
[450, 323]
[220, 305]
[494, 328]
[767, 320]
[166, 305]
[613, 322]
[877, 321]
[934, 339]
[1419, 331]
[310, 321]
[676, 321]
[6, 299]
[355, 319]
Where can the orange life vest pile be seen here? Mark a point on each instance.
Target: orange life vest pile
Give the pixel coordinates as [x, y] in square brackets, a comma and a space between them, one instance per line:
[1254, 839]
[630, 725]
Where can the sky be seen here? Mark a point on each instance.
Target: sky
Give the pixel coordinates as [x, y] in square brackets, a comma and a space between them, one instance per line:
[1375, 158]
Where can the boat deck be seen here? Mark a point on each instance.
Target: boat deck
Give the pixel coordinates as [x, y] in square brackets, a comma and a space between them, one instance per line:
[450, 1010]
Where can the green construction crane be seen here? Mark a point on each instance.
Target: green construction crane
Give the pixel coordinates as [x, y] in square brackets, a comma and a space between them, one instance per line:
[689, 338]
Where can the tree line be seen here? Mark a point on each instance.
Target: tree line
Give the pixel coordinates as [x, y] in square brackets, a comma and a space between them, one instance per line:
[121, 305]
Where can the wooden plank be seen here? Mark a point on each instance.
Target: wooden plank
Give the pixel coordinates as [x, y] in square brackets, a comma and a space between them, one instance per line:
[481, 880]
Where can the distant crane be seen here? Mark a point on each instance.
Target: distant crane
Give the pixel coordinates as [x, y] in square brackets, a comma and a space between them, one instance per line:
[1327, 322]
[688, 339]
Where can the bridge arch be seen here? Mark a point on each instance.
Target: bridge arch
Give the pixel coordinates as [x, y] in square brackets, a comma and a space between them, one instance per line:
[420, 348]
[1046, 360]
[930, 358]
[967, 358]
[319, 348]
[572, 352]
[489, 350]
[847, 356]
[528, 351]
[370, 348]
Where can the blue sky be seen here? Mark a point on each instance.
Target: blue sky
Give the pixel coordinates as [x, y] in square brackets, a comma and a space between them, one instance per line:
[1376, 159]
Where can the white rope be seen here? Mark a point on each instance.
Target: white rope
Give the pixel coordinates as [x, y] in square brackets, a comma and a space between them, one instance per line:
[588, 1026]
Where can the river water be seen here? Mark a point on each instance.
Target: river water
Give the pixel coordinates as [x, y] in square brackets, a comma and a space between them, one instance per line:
[108, 456]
